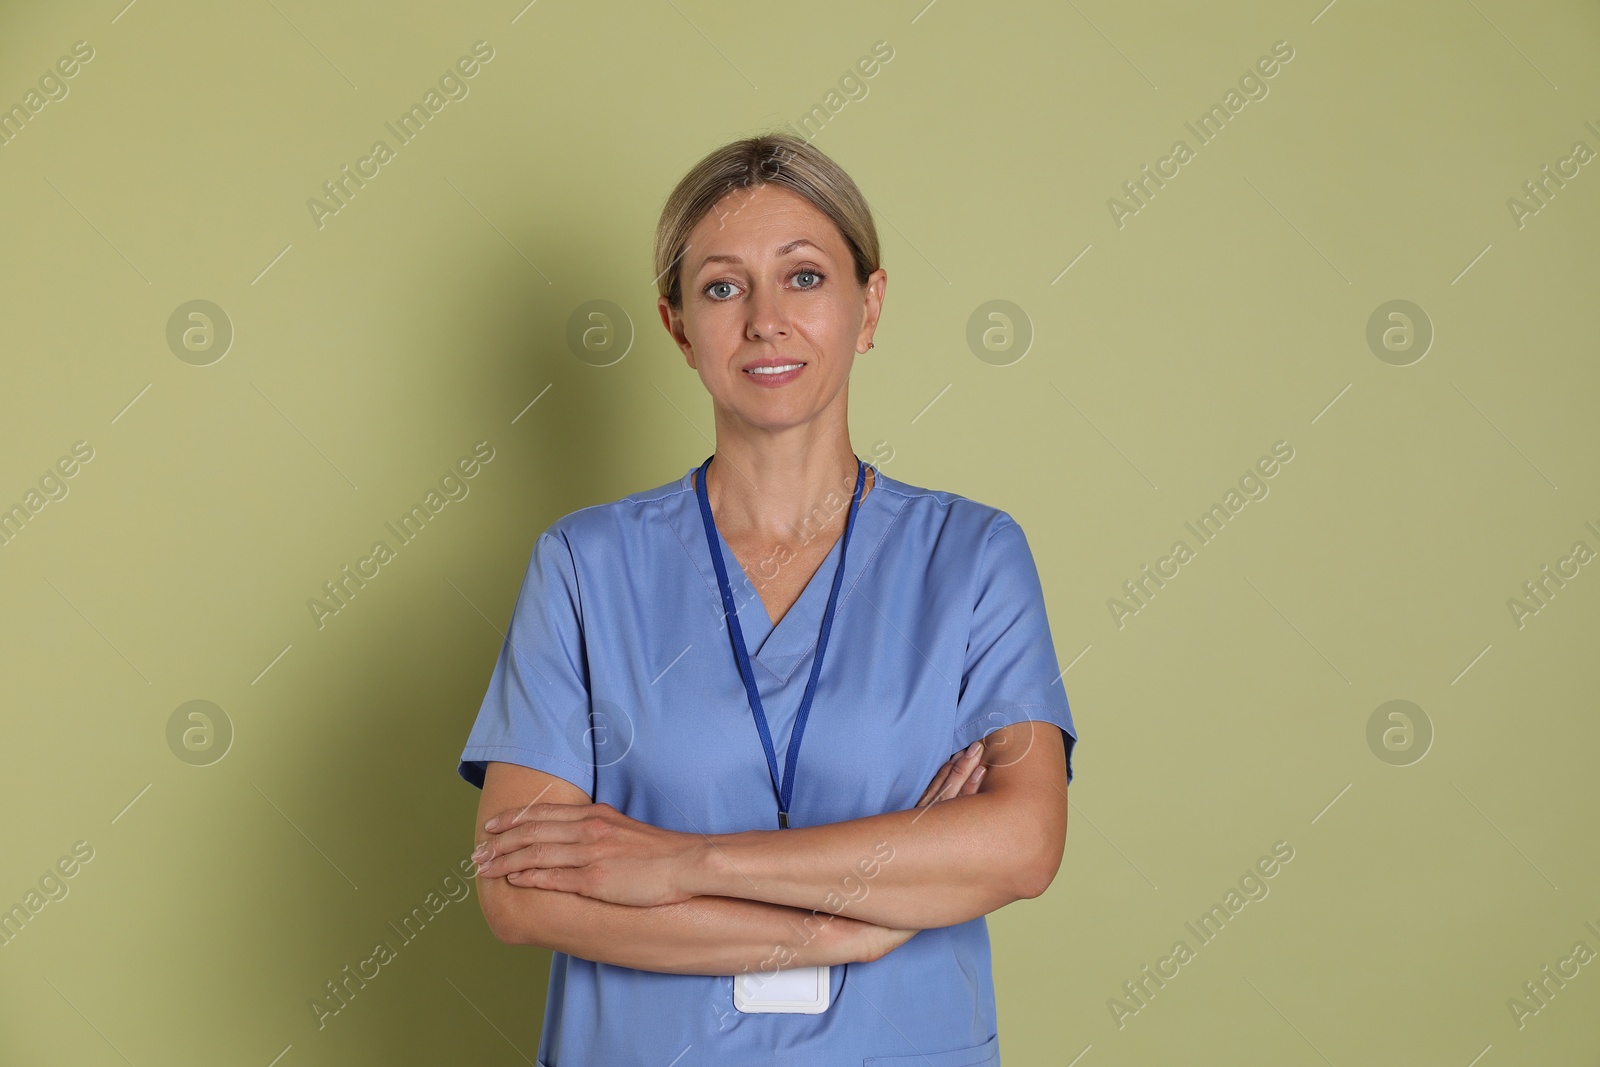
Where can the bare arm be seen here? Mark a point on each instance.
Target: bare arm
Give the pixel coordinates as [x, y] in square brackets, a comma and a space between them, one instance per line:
[714, 935]
[929, 866]
[945, 864]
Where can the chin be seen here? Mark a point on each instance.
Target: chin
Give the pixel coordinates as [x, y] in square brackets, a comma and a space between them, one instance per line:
[777, 417]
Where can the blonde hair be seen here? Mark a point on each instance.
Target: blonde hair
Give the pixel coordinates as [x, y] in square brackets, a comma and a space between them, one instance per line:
[769, 159]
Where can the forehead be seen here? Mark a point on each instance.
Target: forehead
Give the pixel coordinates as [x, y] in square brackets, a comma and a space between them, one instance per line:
[752, 223]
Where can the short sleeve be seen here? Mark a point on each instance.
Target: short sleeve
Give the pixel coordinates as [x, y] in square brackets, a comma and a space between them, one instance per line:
[536, 710]
[1011, 674]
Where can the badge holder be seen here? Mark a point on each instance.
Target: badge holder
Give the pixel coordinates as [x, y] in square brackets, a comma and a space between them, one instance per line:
[803, 990]
[798, 990]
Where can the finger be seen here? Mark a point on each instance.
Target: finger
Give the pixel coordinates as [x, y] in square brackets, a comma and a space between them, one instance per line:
[529, 833]
[506, 819]
[939, 779]
[536, 857]
[953, 787]
[937, 783]
[965, 766]
[562, 879]
[943, 785]
[974, 781]
[532, 812]
[542, 854]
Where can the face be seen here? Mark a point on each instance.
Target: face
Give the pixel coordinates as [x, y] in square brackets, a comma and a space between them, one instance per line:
[767, 278]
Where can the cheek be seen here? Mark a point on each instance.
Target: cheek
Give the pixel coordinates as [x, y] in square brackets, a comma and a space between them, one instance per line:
[831, 329]
[709, 339]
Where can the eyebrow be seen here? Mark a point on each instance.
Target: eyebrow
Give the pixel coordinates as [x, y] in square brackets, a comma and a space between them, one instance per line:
[783, 250]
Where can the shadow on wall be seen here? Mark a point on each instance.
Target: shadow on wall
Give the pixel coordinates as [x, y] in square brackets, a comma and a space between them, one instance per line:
[402, 690]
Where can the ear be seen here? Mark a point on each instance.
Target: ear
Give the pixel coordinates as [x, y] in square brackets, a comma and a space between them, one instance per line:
[673, 321]
[872, 298]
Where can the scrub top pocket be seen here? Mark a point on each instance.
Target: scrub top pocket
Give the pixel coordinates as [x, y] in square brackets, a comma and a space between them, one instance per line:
[984, 1055]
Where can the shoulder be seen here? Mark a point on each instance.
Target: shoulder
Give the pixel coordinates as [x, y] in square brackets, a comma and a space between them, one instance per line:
[618, 523]
[952, 516]
[937, 517]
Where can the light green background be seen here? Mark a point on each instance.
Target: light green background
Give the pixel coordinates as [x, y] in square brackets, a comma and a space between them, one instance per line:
[1230, 313]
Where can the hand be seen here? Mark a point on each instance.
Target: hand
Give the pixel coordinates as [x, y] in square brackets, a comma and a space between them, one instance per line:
[882, 940]
[960, 776]
[590, 849]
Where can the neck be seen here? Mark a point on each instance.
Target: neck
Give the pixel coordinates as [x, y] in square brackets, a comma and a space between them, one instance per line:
[775, 486]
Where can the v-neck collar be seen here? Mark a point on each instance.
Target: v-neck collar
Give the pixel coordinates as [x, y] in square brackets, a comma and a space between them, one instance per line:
[780, 649]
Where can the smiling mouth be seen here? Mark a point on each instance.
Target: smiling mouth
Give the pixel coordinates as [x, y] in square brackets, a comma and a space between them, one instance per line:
[780, 369]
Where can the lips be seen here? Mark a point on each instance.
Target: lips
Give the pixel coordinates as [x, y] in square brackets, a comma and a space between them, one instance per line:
[773, 371]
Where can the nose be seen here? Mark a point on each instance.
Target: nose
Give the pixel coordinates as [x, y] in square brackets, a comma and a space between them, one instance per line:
[767, 319]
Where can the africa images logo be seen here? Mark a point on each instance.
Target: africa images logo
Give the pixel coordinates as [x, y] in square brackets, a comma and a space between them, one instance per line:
[453, 87]
[1207, 528]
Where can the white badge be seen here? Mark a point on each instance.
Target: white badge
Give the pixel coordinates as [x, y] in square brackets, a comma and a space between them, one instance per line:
[798, 989]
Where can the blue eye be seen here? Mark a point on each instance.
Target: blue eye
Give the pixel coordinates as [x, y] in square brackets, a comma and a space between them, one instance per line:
[709, 289]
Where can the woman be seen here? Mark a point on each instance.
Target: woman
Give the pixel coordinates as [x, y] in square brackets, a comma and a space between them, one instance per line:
[714, 893]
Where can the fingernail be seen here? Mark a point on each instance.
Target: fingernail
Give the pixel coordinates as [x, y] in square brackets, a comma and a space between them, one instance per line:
[480, 853]
[492, 824]
[972, 749]
[482, 867]
[977, 775]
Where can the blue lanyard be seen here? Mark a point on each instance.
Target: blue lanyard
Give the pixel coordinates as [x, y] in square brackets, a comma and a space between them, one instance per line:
[741, 655]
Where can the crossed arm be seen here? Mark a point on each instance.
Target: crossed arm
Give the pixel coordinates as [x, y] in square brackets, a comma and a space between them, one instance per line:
[585, 879]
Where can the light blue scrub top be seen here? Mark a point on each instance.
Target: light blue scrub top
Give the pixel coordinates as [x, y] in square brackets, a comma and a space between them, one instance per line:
[939, 638]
